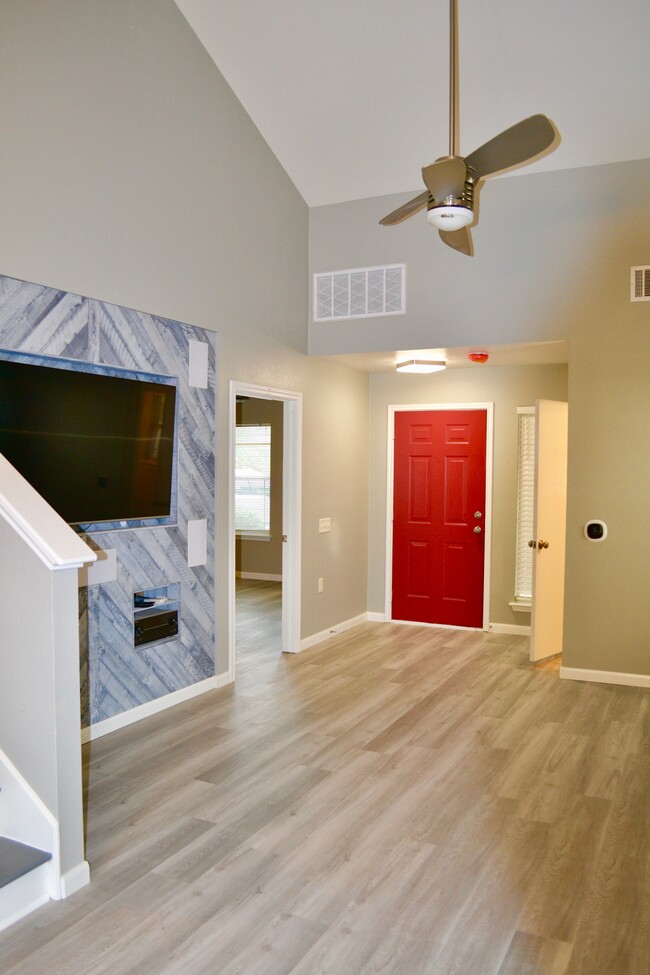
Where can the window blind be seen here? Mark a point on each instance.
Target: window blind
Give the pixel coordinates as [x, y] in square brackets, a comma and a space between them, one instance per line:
[253, 477]
[525, 502]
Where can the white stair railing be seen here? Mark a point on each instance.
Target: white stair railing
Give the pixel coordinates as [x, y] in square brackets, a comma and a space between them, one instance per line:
[40, 556]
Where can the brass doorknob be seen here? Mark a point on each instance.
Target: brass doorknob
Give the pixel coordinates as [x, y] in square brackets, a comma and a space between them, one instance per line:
[542, 544]
[532, 543]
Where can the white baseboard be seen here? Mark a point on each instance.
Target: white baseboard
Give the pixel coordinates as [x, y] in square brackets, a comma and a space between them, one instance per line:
[511, 628]
[126, 718]
[376, 617]
[605, 677]
[261, 576]
[22, 896]
[73, 880]
[315, 638]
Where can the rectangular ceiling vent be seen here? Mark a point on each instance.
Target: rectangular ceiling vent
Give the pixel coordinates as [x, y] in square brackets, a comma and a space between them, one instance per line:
[640, 283]
[363, 292]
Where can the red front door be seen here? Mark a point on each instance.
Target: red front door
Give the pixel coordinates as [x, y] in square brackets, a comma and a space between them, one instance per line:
[439, 516]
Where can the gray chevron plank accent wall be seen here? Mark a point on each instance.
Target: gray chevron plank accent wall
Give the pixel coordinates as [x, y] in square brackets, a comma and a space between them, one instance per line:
[115, 676]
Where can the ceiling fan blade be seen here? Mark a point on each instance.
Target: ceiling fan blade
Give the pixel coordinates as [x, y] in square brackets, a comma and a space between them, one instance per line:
[518, 144]
[406, 210]
[446, 177]
[460, 240]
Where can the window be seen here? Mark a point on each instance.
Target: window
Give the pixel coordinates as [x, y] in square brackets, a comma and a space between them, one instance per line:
[253, 478]
[525, 503]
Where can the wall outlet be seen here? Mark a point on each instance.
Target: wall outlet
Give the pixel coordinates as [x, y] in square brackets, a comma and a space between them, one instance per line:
[320, 584]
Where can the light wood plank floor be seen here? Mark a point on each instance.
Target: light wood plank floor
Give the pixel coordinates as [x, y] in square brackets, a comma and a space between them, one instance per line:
[400, 800]
[258, 620]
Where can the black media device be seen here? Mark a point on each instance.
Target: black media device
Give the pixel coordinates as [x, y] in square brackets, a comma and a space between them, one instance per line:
[154, 627]
[98, 447]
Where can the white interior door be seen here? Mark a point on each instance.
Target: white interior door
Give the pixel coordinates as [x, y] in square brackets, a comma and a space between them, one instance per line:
[547, 616]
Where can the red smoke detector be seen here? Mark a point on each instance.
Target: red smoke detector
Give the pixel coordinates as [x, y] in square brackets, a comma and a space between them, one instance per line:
[478, 356]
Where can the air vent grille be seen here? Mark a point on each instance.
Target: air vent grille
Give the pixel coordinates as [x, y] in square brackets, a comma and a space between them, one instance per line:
[640, 283]
[362, 292]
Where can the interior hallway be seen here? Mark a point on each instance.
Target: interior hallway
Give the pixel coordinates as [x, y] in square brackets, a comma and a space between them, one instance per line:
[258, 620]
[400, 800]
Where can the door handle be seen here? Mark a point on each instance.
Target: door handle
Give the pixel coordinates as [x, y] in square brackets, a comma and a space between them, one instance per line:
[542, 544]
[478, 514]
[284, 538]
[477, 529]
[532, 543]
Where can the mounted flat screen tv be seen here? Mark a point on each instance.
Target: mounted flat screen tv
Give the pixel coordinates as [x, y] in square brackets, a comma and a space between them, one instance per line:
[98, 447]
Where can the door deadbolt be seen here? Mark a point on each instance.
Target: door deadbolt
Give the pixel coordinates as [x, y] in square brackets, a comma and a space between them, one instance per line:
[478, 514]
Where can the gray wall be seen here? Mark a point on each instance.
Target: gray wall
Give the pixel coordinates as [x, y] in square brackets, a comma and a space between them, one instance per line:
[131, 173]
[507, 387]
[553, 258]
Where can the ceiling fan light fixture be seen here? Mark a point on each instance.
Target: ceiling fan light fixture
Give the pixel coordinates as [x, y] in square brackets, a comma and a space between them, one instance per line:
[452, 217]
[421, 365]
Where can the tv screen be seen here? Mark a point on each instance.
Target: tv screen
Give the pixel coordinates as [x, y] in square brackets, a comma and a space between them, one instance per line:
[97, 447]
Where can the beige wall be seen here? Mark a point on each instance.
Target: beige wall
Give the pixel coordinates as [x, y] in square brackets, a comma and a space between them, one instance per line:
[131, 173]
[553, 258]
[607, 617]
[507, 387]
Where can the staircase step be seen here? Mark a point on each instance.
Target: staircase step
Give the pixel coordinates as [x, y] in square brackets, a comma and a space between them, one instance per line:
[17, 859]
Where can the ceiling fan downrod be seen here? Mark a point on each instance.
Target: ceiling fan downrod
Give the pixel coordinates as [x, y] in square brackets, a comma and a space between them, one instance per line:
[453, 77]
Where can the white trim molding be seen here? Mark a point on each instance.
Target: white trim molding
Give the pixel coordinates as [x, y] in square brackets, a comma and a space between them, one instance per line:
[316, 638]
[511, 628]
[260, 576]
[605, 677]
[73, 880]
[101, 728]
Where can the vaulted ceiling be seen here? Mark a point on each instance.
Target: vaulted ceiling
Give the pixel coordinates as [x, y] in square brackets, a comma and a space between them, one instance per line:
[352, 95]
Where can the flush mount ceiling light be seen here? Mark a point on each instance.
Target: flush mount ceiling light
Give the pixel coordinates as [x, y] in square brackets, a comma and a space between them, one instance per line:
[421, 365]
[450, 216]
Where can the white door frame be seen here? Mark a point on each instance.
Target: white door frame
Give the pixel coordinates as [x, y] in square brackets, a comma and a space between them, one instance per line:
[291, 511]
[390, 473]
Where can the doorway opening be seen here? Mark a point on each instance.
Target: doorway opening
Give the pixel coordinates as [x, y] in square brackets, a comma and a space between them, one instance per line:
[264, 529]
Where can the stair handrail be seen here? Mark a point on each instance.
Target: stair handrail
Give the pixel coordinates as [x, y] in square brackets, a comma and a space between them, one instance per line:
[38, 524]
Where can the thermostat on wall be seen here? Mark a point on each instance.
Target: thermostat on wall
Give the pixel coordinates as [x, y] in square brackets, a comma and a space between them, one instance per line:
[595, 530]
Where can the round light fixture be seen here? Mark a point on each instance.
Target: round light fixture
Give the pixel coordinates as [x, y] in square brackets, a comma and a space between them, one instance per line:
[450, 217]
[421, 365]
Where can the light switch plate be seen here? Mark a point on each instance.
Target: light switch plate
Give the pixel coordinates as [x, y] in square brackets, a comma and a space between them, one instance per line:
[324, 524]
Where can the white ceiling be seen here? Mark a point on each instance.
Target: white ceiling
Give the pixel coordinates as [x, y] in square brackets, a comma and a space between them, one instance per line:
[352, 95]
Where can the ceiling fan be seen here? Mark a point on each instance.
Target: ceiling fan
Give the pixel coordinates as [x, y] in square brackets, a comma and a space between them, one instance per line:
[452, 182]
